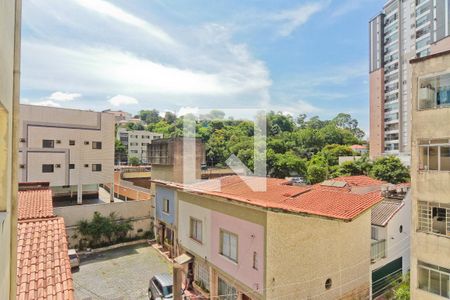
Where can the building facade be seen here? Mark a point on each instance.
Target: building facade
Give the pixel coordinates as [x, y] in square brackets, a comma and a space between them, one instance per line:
[403, 30]
[273, 244]
[137, 141]
[390, 235]
[430, 175]
[71, 149]
[10, 20]
[119, 115]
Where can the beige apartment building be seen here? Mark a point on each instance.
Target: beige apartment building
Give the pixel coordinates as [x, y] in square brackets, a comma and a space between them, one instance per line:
[430, 172]
[10, 19]
[136, 142]
[72, 149]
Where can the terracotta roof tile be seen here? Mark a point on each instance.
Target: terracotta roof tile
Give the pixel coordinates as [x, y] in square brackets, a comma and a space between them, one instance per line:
[356, 194]
[35, 204]
[43, 267]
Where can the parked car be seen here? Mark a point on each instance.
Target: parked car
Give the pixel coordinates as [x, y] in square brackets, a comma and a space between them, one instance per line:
[73, 258]
[160, 287]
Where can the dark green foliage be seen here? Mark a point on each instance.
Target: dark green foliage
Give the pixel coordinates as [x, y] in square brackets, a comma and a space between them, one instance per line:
[134, 161]
[390, 169]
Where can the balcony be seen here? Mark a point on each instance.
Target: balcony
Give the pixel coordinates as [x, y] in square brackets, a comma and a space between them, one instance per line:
[377, 250]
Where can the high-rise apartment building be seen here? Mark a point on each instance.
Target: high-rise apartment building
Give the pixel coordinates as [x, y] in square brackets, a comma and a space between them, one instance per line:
[430, 176]
[9, 112]
[71, 149]
[136, 142]
[403, 30]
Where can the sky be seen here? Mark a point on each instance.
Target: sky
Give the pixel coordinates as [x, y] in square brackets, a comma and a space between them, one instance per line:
[289, 56]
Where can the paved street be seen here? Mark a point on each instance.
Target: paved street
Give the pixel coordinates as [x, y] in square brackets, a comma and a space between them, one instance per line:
[118, 274]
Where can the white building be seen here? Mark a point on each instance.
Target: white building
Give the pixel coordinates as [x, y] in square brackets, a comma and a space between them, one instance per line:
[136, 142]
[71, 149]
[390, 251]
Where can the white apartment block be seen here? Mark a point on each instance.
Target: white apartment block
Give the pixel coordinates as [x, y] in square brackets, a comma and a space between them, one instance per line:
[136, 142]
[403, 30]
[71, 149]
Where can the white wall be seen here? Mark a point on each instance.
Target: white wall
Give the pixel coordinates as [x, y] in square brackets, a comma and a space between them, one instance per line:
[140, 212]
[187, 210]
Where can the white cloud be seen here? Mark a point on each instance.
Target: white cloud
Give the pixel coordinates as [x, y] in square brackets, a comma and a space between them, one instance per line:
[61, 96]
[120, 100]
[46, 103]
[293, 18]
[296, 107]
[187, 110]
[344, 7]
[107, 9]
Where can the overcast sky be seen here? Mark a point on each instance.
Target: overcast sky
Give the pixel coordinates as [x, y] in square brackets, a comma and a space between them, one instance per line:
[291, 56]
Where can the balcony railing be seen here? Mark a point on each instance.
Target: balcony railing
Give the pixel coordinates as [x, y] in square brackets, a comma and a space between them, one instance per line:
[378, 250]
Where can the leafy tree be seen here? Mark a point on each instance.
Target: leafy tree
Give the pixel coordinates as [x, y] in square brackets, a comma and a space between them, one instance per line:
[170, 117]
[134, 161]
[316, 173]
[390, 169]
[287, 164]
[150, 116]
[402, 290]
[333, 151]
[120, 150]
[135, 126]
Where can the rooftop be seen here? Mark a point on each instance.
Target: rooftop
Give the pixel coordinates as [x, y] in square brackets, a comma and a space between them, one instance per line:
[343, 198]
[383, 212]
[43, 267]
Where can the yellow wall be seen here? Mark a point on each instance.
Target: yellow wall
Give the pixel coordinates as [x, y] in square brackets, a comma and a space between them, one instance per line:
[303, 252]
[430, 186]
[9, 102]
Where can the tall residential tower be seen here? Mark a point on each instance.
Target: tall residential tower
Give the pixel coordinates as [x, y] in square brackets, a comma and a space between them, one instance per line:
[403, 30]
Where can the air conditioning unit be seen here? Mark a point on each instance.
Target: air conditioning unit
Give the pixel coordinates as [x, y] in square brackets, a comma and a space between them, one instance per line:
[22, 140]
[22, 166]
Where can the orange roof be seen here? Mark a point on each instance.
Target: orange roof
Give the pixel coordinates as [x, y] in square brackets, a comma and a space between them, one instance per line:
[348, 199]
[358, 147]
[43, 267]
[35, 204]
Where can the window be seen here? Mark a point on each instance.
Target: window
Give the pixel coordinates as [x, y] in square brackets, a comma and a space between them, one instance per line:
[328, 284]
[196, 229]
[226, 291]
[434, 218]
[96, 145]
[434, 92]
[86, 165]
[374, 233]
[201, 274]
[255, 260]
[400, 229]
[229, 245]
[71, 166]
[96, 167]
[434, 279]
[166, 207]
[71, 143]
[48, 168]
[48, 144]
[434, 155]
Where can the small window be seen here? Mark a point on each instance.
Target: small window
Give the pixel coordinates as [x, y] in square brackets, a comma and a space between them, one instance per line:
[96, 145]
[48, 168]
[58, 141]
[71, 166]
[86, 142]
[96, 167]
[196, 230]
[57, 166]
[328, 284]
[166, 208]
[229, 245]
[86, 165]
[71, 143]
[400, 229]
[48, 144]
[374, 233]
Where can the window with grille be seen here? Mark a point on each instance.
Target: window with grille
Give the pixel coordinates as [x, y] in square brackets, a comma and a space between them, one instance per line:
[226, 291]
[48, 168]
[196, 229]
[229, 245]
[201, 274]
[96, 145]
[96, 167]
[434, 218]
[48, 144]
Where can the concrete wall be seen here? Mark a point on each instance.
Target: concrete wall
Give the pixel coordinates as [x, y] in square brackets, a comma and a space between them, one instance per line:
[10, 11]
[376, 131]
[65, 125]
[429, 186]
[303, 252]
[140, 212]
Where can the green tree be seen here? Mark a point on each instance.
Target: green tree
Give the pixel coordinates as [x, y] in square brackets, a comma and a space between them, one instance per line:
[316, 173]
[134, 161]
[287, 164]
[390, 169]
[170, 117]
[150, 116]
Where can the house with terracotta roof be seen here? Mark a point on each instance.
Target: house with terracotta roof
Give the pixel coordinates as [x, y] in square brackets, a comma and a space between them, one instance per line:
[43, 267]
[390, 237]
[288, 242]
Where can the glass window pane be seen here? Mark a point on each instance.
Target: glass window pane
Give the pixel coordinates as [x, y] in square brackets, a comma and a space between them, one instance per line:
[233, 246]
[445, 158]
[433, 157]
[423, 158]
[435, 282]
[423, 279]
[445, 286]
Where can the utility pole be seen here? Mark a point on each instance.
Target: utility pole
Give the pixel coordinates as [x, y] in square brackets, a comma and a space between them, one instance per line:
[177, 288]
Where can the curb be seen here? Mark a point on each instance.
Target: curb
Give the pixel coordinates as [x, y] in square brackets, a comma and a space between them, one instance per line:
[125, 244]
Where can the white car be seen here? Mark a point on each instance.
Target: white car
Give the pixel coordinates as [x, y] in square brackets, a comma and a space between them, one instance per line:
[73, 258]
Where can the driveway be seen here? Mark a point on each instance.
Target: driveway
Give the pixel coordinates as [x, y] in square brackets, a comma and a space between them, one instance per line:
[118, 274]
